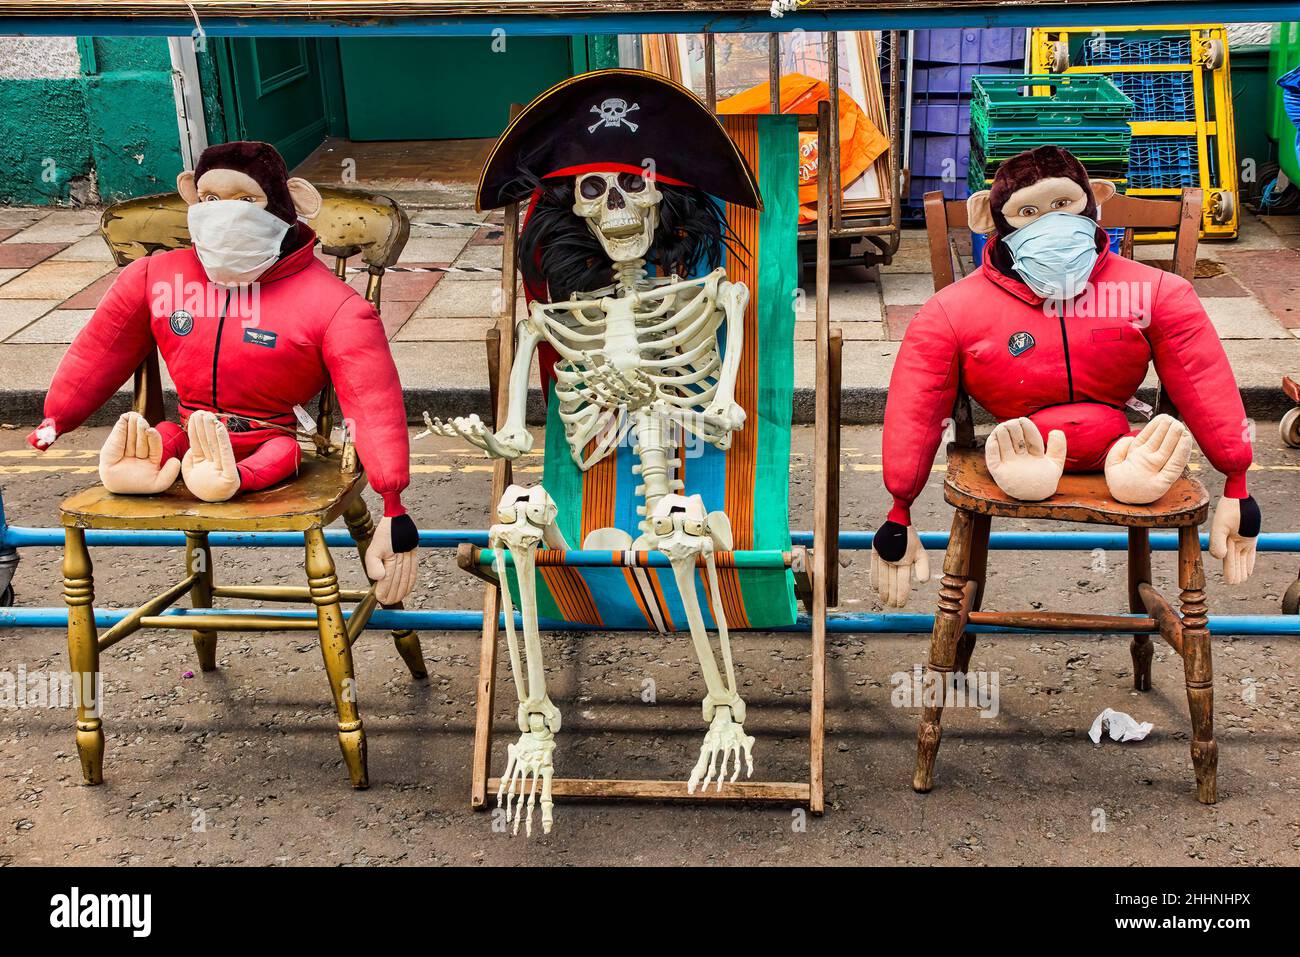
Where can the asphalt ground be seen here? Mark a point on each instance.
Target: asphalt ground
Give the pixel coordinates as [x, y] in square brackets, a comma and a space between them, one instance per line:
[241, 766]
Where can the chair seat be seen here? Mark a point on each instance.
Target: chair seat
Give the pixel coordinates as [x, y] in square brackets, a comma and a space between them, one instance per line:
[317, 496]
[1081, 497]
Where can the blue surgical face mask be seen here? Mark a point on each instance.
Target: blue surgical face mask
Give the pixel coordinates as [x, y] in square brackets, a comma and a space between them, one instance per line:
[1055, 254]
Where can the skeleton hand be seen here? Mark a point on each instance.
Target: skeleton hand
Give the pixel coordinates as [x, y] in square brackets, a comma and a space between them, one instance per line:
[1020, 464]
[1233, 532]
[724, 739]
[527, 762]
[896, 558]
[505, 444]
[1140, 470]
[729, 415]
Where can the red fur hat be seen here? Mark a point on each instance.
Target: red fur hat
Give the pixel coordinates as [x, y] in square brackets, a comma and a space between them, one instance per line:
[1027, 168]
[263, 163]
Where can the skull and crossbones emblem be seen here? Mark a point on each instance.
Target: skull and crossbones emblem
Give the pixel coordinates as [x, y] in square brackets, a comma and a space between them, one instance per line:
[613, 113]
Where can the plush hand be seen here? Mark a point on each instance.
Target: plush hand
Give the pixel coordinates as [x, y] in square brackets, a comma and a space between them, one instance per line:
[43, 436]
[209, 465]
[391, 558]
[1141, 469]
[1020, 464]
[1233, 532]
[130, 463]
[896, 558]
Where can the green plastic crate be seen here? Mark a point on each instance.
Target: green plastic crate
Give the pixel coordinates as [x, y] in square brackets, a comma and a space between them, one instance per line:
[1075, 100]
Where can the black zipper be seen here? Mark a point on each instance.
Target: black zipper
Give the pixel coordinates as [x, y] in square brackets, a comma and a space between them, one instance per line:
[1065, 344]
[216, 349]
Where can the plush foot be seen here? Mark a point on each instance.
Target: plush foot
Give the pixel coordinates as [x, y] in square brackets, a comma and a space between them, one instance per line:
[725, 739]
[209, 465]
[1141, 468]
[1020, 464]
[528, 761]
[130, 463]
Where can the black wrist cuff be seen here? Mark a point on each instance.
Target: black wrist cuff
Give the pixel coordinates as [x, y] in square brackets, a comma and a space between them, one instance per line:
[890, 541]
[405, 535]
[1250, 518]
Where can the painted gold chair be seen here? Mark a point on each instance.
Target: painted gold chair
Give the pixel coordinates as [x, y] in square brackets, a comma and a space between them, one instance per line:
[328, 485]
[970, 489]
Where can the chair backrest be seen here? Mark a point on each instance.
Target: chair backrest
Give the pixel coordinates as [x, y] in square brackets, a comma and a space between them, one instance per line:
[751, 479]
[1129, 213]
[350, 223]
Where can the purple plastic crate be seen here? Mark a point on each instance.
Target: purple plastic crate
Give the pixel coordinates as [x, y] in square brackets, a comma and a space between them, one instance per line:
[941, 117]
[937, 156]
[954, 80]
[970, 45]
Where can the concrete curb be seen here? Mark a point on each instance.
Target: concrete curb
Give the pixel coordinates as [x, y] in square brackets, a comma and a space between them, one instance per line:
[859, 405]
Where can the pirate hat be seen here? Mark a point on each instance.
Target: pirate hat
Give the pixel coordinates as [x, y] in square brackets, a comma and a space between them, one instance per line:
[617, 121]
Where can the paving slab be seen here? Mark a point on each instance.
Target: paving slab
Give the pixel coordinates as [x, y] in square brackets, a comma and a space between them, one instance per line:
[25, 255]
[15, 314]
[1271, 275]
[54, 280]
[432, 249]
[1243, 318]
[91, 249]
[56, 326]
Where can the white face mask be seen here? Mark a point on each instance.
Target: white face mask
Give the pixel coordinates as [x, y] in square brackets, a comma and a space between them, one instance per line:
[235, 240]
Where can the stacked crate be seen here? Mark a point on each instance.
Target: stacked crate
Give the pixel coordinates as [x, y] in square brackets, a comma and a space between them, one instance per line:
[1088, 116]
[943, 62]
[1178, 79]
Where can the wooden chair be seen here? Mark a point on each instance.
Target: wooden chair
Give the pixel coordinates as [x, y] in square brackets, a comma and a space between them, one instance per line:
[765, 567]
[328, 485]
[970, 489]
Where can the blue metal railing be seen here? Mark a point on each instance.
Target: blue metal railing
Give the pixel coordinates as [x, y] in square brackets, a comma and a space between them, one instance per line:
[15, 537]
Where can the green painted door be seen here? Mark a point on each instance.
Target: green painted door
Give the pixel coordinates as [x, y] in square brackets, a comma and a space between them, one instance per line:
[278, 93]
[436, 88]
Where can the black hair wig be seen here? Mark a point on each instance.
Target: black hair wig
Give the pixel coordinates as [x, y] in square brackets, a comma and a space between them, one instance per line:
[559, 254]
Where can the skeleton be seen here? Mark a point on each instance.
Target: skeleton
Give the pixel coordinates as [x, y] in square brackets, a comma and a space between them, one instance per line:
[641, 354]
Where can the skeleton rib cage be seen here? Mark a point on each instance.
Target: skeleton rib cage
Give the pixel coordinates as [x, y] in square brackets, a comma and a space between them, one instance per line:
[649, 344]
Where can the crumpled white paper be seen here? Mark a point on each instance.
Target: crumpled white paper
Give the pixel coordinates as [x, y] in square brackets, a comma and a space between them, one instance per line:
[1120, 727]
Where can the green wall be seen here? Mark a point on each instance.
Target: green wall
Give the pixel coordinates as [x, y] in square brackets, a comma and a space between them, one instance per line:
[108, 134]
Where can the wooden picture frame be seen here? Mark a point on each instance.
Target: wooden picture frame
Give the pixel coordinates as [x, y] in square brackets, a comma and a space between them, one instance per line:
[742, 61]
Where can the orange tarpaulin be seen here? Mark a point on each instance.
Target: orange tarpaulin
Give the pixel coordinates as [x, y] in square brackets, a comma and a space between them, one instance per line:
[860, 141]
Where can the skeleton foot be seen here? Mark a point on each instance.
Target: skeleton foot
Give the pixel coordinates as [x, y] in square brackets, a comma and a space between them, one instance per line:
[529, 761]
[725, 739]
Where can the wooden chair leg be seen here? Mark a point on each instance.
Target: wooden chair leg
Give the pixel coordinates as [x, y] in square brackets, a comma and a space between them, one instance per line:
[487, 684]
[1197, 666]
[83, 653]
[979, 560]
[943, 644]
[362, 529]
[1139, 572]
[198, 559]
[336, 651]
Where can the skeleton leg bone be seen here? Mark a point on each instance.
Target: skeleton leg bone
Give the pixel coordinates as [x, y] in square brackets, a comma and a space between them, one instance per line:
[525, 519]
[685, 533]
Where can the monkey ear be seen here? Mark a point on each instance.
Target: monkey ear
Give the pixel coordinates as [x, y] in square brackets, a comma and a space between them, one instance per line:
[979, 215]
[306, 197]
[1102, 190]
[186, 187]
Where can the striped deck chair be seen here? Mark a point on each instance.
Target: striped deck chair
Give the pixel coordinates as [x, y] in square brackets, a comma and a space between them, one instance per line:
[761, 577]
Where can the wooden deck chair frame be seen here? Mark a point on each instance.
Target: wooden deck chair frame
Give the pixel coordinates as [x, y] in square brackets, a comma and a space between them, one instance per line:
[329, 485]
[815, 569]
[969, 488]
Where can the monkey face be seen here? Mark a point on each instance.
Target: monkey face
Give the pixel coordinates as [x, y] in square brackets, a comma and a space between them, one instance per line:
[219, 184]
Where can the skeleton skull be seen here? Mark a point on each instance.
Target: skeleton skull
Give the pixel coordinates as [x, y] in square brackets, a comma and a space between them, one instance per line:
[621, 209]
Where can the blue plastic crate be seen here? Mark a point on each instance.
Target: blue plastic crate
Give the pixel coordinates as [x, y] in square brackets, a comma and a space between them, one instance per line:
[1163, 162]
[1158, 96]
[970, 45]
[978, 241]
[1109, 50]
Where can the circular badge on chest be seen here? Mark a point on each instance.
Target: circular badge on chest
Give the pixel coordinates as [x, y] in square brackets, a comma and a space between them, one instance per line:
[181, 322]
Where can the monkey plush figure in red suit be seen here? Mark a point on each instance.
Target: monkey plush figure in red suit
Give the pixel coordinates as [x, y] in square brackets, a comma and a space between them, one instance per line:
[1053, 335]
[249, 323]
